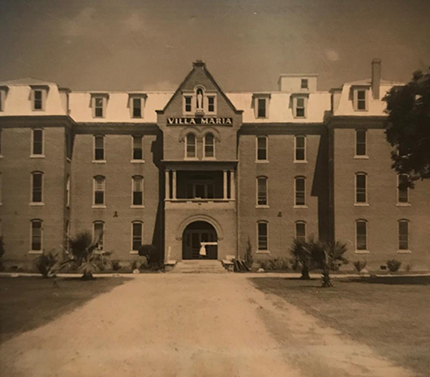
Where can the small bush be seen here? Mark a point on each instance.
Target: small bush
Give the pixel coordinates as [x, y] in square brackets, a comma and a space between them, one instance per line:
[393, 265]
[148, 251]
[360, 265]
[275, 264]
[116, 266]
[46, 263]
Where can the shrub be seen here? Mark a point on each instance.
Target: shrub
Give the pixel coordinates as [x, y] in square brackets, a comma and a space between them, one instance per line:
[275, 264]
[148, 251]
[393, 265]
[116, 266]
[249, 259]
[301, 257]
[359, 265]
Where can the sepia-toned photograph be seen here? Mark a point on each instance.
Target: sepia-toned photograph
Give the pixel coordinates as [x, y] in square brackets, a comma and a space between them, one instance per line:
[225, 188]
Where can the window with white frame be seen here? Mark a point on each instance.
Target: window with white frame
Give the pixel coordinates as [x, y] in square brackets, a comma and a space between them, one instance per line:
[137, 148]
[68, 191]
[304, 84]
[300, 148]
[263, 235]
[137, 190]
[137, 235]
[99, 190]
[360, 142]
[38, 99]
[261, 107]
[99, 105]
[360, 99]
[361, 235]
[136, 106]
[98, 234]
[190, 146]
[300, 106]
[99, 148]
[403, 230]
[300, 191]
[262, 197]
[301, 231]
[37, 187]
[360, 188]
[211, 104]
[36, 236]
[209, 147]
[402, 189]
[2, 98]
[188, 104]
[262, 142]
[37, 142]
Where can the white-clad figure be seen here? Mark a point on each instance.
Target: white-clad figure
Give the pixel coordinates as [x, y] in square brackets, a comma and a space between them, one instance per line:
[202, 251]
[199, 99]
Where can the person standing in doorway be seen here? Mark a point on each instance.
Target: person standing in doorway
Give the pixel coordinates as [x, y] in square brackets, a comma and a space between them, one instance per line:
[202, 252]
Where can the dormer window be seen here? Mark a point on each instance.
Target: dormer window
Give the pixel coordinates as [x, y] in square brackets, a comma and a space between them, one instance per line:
[261, 105]
[3, 91]
[136, 104]
[211, 104]
[304, 84]
[299, 106]
[38, 98]
[360, 99]
[98, 104]
[261, 108]
[188, 104]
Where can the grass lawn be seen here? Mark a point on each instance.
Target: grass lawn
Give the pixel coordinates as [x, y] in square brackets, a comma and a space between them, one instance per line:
[390, 314]
[30, 302]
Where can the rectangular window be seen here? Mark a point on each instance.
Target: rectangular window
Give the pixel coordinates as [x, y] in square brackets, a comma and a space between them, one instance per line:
[209, 141]
[137, 107]
[360, 142]
[300, 190]
[300, 148]
[137, 148]
[301, 231]
[36, 235]
[360, 188]
[137, 191]
[262, 148]
[304, 84]
[99, 190]
[403, 235]
[187, 104]
[137, 237]
[211, 104]
[300, 107]
[191, 146]
[262, 191]
[98, 107]
[37, 100]
[263, 239]
[402, 189]
[36, 188]
[37, 147]
[361, 102]
[99, 234]
[99, 148]
[361, 235]
[261, 112]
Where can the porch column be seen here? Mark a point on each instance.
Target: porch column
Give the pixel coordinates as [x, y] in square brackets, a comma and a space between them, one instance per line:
[174, 185]
[225, 185]
[232, 185]
[167, 176]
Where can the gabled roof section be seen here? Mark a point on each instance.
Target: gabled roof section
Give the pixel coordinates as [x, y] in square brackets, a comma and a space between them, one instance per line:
[197, 65]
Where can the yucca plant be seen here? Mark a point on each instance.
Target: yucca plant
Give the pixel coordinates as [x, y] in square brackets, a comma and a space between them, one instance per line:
[302, 256]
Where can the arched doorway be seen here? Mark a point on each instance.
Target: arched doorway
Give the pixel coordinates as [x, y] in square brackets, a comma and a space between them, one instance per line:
[196, 233]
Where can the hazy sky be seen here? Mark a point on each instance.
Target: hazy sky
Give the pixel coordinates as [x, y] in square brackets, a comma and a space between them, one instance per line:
[246, 44]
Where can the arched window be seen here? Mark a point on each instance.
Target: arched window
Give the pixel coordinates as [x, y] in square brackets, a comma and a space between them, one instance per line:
[98, 233]
[300, 191]
[136, 235]
[99, 190]
[37, 187]
[301, 231]
[361, 235]
[262, 197]
[360, 188]
[36, 236]
[209, 146]
[263, 235]
[190, 147]
[403, 226]
[137, 190]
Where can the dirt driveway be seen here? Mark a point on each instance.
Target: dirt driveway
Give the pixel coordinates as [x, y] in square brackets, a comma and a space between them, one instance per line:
[188, 325]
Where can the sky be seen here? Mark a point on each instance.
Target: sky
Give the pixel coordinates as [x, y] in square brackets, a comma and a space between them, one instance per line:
[246, 44]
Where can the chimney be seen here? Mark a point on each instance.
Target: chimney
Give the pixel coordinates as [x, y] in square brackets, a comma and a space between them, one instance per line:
[198, 63]
[376, 77]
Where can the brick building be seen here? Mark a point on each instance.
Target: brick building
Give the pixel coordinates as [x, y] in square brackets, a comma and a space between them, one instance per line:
[175, 169]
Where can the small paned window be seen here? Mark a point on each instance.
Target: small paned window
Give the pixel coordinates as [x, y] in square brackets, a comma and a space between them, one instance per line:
[301, 231]
[38, 100]
[304, 84]
[37, 187]
[137, 236]
[361, 235]
[261, 112]
[37, 148]
[300, 191]
[209, 145]
[361, 99]
[360, 142]
[98, 107]
[300, 107]
[262, 148]
[188, 104]
[360, 188]
[402, 189]
[211, 104]
[137, 108]
[300, 152]
[99, 234]
[191, 146]
[403, 235]
[99, 148]
[99, 190]
[137, 148]
[36, 235]
[263, 236]
[137, 191]
[262, 191]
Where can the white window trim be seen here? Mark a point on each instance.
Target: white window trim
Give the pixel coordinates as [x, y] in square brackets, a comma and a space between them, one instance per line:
[305, 104]
[204, 147]
[93, 105]
[295, 228]
[295, 184]
[44, 97]
[131, 99]
[356, 251]
[186, 147]
[256, 149]
[193, 107]
[31, 251]
[361, 156]
[305, 149]
[402, 204]
[207, 103]
[135, 252]
[267, 251]
[134, 161]
[42, 155]
[103, 236]
[42, 203]
[267, 192]
[403, 251]
[94, 192]
[94, 150]
[365, 203]
[355, 98]
[143, 192]
[267, 102]
[3, 92]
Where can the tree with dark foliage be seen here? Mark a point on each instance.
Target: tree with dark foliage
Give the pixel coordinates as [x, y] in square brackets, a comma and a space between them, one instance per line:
[408, 127]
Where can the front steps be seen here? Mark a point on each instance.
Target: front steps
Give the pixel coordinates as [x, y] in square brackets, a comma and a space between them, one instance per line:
[199, 266]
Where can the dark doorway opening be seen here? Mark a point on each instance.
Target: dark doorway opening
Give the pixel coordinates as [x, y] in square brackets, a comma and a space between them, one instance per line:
[196, 233]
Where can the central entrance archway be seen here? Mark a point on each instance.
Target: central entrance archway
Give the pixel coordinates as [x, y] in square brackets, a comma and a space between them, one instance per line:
[196, 233]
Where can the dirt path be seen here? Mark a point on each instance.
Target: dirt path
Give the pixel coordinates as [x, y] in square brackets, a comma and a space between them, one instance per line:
[188, 325]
